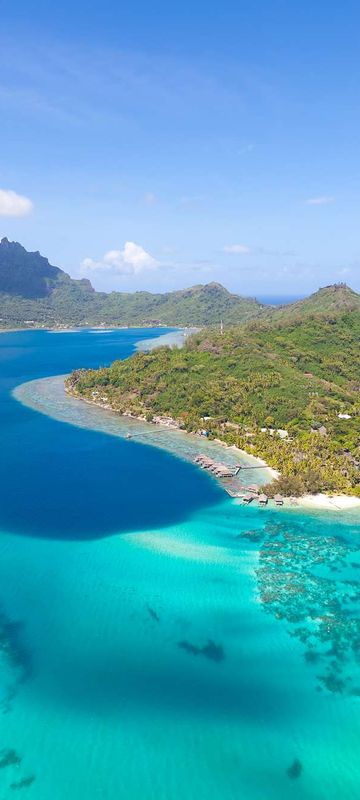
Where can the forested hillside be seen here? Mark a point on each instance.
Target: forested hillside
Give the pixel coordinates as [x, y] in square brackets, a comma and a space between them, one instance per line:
[328, 300]
[34, 293]
[298, 376]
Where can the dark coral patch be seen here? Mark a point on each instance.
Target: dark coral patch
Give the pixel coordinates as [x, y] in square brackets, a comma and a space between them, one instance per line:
[23, 783]
[9, 758]
[295, 770]
[303, 579]
[212, 651]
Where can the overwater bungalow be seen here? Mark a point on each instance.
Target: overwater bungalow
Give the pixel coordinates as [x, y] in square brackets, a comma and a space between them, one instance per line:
[279, 501]
[223, 471]
[206, 463]
[216, 467]
[248, 498]
[201, 459]
[263, 500]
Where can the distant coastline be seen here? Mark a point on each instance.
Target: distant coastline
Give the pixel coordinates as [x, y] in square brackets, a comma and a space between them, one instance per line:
[79, 328]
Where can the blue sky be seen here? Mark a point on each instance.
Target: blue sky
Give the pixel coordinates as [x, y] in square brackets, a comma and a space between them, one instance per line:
[154, 146]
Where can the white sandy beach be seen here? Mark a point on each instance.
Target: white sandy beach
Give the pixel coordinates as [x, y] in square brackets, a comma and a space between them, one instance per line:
[336, 502]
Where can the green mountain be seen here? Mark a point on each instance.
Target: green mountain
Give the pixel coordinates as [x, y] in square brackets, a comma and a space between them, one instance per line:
[298, 376]
[334, 299]
[33, 292]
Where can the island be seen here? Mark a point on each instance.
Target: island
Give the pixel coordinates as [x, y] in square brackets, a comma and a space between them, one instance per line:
[285, 389]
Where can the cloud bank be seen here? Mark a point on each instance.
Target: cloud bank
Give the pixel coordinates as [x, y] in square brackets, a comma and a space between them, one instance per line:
[13, 204]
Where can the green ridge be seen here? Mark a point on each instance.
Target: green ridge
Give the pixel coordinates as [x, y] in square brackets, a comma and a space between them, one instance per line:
[34, 293]
[297, 375]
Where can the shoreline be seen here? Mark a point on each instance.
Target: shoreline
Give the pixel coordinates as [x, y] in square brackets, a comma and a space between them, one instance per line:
[260, 461]
[172, 426]
[321, 501]
[313, 502]
[78, 328]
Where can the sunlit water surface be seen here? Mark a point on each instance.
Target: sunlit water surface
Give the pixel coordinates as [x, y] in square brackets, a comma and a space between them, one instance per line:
[157, 639]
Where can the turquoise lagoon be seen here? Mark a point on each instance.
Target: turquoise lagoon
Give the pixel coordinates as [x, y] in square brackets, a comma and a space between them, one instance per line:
[158, 641]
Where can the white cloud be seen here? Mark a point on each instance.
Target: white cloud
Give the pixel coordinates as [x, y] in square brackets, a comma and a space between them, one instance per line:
[132, 260]
[236, 248]
[14, 205]
[323, 200]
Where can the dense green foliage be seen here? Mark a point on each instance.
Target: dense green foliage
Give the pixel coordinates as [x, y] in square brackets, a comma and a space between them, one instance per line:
[297, 375]
[336, 298]
[36, 293]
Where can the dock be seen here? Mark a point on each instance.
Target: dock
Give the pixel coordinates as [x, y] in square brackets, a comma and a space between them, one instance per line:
[248, 498]
[217, 468]
[248, 494]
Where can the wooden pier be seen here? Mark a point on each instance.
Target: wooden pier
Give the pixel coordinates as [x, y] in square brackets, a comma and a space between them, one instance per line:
[224, 470]
[217, 468]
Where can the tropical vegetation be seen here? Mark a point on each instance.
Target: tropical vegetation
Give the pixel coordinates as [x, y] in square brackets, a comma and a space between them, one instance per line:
[286, 389]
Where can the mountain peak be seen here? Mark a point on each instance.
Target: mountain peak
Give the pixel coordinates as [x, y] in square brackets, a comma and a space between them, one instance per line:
[33, 289]
[332, 299]
[215, 285]
[337, 294]
[23, 273]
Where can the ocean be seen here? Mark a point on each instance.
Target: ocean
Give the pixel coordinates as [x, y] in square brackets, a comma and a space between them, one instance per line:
[157, 640]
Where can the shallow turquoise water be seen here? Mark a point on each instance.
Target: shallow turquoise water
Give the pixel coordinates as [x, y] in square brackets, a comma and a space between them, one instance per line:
[160, 648]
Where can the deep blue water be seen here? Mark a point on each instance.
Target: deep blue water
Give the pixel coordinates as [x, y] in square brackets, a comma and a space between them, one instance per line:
[157, 640]
[59, 481]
